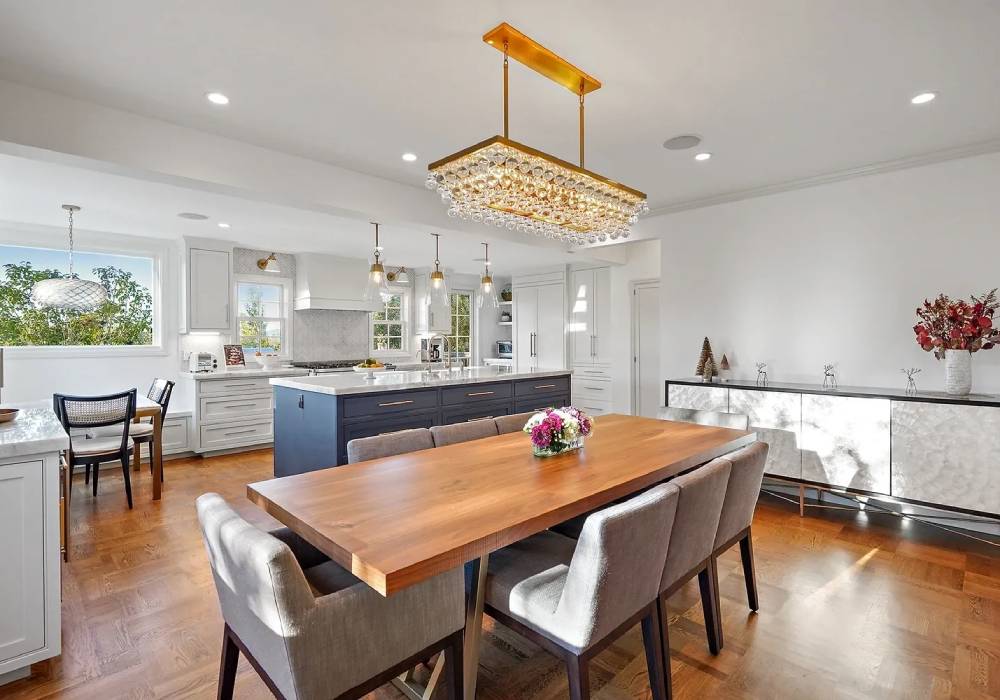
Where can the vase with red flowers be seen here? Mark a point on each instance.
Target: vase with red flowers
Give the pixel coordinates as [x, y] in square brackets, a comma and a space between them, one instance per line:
[953, 330]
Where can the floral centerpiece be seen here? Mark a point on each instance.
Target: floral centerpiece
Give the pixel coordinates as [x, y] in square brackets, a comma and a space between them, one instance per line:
[953, 330]
[556, 430]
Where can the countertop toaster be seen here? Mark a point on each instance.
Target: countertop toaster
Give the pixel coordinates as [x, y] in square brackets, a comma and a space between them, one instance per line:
[202, 362]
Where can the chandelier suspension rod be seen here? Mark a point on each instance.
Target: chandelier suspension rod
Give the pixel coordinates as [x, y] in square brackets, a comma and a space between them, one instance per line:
[506, 101]
[581, 123]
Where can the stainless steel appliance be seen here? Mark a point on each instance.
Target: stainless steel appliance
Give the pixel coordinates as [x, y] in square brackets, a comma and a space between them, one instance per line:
[433, 349]
[202, 362]
[505, 348]
[328, 366]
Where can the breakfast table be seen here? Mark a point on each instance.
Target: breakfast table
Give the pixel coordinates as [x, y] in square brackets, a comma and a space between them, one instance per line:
[147, 408]
[397, 521]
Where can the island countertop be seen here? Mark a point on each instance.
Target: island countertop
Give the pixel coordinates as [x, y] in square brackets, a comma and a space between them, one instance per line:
[345, 383]
[34, 431]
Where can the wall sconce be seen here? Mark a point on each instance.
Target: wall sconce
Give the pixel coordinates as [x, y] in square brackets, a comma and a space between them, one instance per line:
[269, 264]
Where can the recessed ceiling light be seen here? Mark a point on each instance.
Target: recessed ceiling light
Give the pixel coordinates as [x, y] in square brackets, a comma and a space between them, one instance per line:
[923, 98]
[217, 98]
[682, 142]
[223, 224]
[409, 157]
[703, 156]
[192, 216]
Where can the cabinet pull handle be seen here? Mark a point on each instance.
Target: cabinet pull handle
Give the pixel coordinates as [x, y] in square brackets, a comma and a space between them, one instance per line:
[546, 386]
[473, 420]
[240, 405]
[595, 388]
[396, 403]
[302, 400]
[241, 432]
[481, 393]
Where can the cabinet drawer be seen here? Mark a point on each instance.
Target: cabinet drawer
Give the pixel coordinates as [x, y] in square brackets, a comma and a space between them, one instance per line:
[481, 410]
[217, 437]
[597, 390]
[389, 403]
[538, 387]
[591, 372]
[234, 386]
[175, 434]
[593, 406]
[538, 403]
[476, 392]
[224, 408]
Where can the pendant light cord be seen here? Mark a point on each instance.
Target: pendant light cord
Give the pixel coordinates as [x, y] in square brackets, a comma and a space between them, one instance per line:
[437, 250]
[376, 242]
[70, 242]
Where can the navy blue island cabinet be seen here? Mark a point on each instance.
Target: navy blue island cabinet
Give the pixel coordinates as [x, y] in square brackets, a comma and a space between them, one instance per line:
[312, 429]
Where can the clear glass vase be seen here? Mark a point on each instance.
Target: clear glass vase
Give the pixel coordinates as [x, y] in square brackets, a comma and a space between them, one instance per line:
[557, 448]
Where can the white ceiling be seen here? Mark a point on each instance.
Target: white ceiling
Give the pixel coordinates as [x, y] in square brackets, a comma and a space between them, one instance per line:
[779, 89]
[32, 191]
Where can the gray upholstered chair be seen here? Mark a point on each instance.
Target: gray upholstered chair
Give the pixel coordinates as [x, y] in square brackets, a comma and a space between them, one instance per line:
[692, 541]
[573, 598]
[388, 445]
[310, 628]
[512, 424]
[463, 432]
[745, 477]
[736, 421]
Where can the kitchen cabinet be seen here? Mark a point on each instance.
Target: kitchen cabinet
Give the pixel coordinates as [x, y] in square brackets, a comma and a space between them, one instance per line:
[430, 318]
[539, 327]
[590, 317]
[209, 289]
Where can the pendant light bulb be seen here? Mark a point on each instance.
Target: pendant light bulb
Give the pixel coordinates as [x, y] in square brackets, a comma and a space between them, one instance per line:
[438, 295]
[487, 290]
[376, 286]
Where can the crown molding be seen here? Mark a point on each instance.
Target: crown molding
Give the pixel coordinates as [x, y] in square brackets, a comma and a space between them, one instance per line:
[888, 166]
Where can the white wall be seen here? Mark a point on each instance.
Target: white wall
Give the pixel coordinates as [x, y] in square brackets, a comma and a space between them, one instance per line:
[832, 274]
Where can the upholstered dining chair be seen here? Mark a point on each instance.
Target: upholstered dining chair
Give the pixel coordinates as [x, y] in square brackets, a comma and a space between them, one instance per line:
[81, 414]
[463, 432]
[142, 432]
[745, 477]
[692, 540]
[512, 424]
[736, 421]
[389, 445]
[308, 627]
[573, 598]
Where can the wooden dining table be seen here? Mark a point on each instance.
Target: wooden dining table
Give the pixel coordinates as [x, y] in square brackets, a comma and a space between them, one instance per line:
[147, 408]
[397, 521]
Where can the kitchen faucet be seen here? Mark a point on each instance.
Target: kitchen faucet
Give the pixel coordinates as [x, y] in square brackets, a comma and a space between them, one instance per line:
[447, 348]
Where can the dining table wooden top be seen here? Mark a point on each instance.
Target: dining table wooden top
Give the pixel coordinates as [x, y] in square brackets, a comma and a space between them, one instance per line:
[396, 521]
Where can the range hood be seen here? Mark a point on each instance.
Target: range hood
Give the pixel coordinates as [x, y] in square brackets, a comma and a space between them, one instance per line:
[330, 282]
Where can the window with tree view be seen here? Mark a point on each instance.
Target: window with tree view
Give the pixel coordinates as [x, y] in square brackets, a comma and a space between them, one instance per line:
[460, 339]
[388, 326]
[126, 318]
[261, 316]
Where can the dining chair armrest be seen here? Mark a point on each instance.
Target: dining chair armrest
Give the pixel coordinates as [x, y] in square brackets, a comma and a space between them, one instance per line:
[307, 555]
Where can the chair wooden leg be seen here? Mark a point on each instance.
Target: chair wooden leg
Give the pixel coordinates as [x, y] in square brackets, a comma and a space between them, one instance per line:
[661, 614]
[97, 471]
[708, 582]
[128, 480]
[652, 640]
[578, 671]
[86, 473]
[455, 665]
[227, 666]
[749, 573]
[136, 456]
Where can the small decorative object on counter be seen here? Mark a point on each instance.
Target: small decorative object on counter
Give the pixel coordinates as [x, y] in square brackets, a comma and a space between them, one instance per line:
[505, 317]
[761, 374]
[911, 384]
[557, 430]
[829, 377]
[234, 356]
[725, 371]
[507, 294]
[369, 367]
[706, 355]
[708, 371]
[953, 330]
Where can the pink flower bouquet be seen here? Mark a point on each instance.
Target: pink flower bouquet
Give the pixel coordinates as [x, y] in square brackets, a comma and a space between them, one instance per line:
[556, 430]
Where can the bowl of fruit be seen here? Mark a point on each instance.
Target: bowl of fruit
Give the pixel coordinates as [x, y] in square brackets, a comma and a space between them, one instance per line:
[370, 367]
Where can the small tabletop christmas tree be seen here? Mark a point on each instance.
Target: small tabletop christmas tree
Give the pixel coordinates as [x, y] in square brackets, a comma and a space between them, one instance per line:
[706, 355]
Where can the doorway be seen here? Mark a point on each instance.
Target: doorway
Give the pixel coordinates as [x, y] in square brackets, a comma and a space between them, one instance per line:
[647, 385]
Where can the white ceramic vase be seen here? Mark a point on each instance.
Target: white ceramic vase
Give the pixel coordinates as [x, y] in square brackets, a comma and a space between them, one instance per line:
[957, 372]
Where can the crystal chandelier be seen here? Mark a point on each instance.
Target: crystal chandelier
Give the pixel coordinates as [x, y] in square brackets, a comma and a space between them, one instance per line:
[507, 184]
[69, 292]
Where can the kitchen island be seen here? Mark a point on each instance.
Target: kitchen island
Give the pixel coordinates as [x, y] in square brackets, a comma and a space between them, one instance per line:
[315, 417]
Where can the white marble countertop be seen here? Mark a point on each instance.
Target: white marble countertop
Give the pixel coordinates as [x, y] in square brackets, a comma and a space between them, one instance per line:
[357, 383]
[34, 431]
[249, 372]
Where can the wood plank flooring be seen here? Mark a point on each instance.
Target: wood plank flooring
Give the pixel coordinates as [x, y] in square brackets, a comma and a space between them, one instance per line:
[853, 605]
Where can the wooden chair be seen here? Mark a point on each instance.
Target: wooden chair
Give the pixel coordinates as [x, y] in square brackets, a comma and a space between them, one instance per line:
[142, 432]
[84, 413]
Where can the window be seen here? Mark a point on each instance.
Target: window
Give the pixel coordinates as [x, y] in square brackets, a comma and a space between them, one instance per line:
[263, 315]
[125, 319]
[460, 339]
[388, 326]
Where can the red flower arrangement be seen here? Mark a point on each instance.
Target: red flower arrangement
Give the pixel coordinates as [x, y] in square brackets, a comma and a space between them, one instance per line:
[957, 325]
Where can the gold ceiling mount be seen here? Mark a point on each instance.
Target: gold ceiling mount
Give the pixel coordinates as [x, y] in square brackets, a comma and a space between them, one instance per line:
[529, 52]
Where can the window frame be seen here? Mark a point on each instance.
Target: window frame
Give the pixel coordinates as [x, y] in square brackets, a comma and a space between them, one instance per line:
[471, 293]
[286, 307]
[164, 269]
[405, 294]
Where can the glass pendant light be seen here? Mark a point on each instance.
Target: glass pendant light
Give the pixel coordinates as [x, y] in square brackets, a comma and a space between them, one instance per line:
[69, 292]
[376, 287]
[487, 290]
[438, 294]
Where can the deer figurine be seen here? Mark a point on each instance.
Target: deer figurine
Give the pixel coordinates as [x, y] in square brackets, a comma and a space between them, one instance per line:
[761, 374]
[829, 377]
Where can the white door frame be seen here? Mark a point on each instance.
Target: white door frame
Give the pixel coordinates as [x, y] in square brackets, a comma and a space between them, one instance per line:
[633, 375]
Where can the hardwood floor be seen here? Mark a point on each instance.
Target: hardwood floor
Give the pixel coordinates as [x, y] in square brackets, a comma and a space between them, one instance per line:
[853, 605]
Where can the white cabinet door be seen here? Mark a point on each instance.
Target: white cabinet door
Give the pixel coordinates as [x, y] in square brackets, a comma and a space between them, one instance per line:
[776, 417]
[550, 338]
[845, 441]
[525, 326]
[703, 398]
[581, 317]
[22, 550]
[209, 286]
[602, 315]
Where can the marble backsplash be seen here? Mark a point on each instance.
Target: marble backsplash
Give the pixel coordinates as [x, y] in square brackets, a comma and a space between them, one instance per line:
[329, 335]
